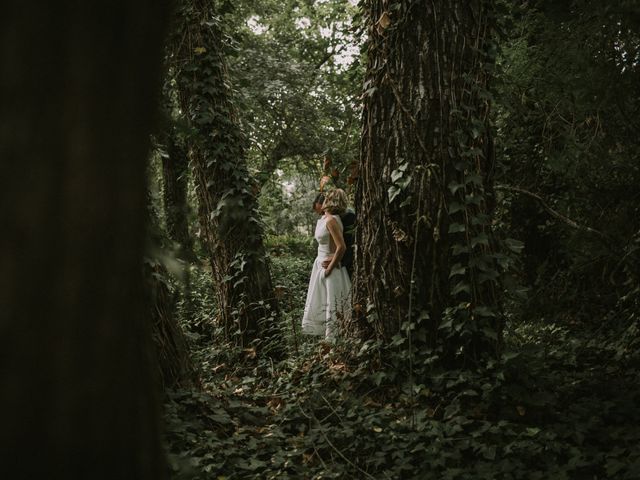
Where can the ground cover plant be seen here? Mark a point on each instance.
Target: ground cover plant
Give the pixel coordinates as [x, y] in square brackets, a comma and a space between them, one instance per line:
[558, 404]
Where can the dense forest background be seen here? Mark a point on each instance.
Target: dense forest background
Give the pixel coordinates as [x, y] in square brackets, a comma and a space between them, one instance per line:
[159, 239]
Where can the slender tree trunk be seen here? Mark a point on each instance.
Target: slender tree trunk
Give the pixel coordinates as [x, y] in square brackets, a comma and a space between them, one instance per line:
[424, 187]
[228, 214]
[175, 170]
[78, 94]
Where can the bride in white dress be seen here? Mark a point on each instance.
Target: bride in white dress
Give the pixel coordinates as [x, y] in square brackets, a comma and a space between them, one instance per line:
[329, 293]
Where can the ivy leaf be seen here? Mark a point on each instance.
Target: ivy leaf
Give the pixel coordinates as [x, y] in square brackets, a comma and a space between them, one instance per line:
[487, 276]
[457, 269]
[480, 239]
[503, 260]
[459, 249]
[405, 182]
[461, 287]
[396, 175]
[455, 186]
[490, 333]
[406, 201]
[481, 219]
[455, 207]
[446, 325]
[473, 178]
[483, 311]
[473, 199]
[514, 245]
[457, 228]
[393, 192]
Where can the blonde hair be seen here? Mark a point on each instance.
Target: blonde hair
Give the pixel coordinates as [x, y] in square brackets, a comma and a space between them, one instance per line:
[335, 202]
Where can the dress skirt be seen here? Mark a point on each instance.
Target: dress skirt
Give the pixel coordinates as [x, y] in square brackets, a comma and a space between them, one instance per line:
[328, 300]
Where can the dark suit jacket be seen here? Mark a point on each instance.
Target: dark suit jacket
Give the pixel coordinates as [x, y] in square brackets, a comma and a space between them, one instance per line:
[349, 224]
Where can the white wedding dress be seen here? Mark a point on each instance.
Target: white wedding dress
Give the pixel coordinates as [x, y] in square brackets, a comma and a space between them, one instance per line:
[328, 298]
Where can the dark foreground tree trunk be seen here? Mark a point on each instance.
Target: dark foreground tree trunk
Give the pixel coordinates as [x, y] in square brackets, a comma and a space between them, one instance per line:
[78, 89]
[424, 187]
[228, 213]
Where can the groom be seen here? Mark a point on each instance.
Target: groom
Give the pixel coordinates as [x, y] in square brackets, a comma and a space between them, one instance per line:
[349, 223]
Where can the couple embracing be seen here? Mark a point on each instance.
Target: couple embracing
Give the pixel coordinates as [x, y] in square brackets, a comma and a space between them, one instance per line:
[329, 293]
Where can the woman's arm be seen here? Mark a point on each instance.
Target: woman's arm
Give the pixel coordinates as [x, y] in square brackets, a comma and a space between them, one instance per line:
[338, 240]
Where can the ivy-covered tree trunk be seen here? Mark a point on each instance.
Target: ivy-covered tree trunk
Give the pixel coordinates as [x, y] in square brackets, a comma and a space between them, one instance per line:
[78, 395]
[231, 229]
[424, 261]
[175, 176]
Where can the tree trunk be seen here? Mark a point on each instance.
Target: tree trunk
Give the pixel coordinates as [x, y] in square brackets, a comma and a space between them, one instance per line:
[228, 214]
[79, 90]
[174, 362]
[424, 188]
[175, 169]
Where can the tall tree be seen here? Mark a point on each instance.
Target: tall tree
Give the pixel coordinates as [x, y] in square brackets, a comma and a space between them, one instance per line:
[78, 396]
[424, 261]
[233, 234]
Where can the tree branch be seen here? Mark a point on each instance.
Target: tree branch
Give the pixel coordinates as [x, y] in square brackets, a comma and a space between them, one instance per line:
[551, 211]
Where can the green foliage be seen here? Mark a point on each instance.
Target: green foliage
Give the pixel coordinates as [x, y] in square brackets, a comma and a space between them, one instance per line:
[285, 204]
[332, 415]
[296, 68]
[566, 131]
[196, 308]
[291, 260]
[557, 404]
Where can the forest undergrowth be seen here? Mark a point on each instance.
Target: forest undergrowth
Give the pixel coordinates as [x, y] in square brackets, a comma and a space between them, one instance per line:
[560, 404]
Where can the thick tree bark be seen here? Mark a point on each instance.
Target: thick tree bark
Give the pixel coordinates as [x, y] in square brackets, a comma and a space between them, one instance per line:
[78, 94]
[424, 185]
[232, 231]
